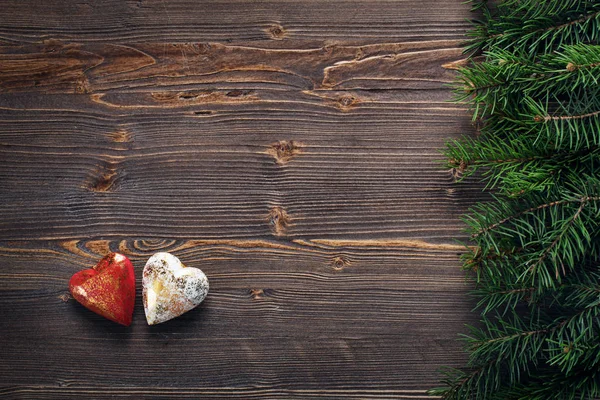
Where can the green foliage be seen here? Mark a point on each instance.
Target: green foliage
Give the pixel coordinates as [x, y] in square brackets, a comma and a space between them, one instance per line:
[536, 26]
[533, 86]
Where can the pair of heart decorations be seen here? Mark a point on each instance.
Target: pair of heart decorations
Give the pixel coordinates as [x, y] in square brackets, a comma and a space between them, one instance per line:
[169, 288]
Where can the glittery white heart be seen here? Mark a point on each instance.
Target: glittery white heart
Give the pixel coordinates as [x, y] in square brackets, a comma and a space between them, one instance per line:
[170, 288]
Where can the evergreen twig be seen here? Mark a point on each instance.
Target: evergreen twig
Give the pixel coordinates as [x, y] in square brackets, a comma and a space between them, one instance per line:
[535, 256]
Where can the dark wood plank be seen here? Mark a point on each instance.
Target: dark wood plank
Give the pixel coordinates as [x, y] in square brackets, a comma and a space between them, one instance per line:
[372, 170]
[120, 21]
[283, 318]
[260, 391]
[54, 66]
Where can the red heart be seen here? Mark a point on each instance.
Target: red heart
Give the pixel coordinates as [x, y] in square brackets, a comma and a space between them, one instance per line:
[107, 289]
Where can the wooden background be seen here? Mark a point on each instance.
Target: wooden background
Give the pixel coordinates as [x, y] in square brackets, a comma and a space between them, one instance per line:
[287, 148]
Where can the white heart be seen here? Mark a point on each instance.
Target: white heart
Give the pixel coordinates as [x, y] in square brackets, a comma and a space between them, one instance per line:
[170, 288]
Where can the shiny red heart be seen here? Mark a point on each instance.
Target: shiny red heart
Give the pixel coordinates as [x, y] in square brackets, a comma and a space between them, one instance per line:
[107, 289]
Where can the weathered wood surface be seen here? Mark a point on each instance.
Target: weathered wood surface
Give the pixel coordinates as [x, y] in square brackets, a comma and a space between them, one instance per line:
[287, 148]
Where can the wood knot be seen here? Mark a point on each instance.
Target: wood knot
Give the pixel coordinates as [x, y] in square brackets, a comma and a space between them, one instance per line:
[283, 151]
[100, 247]
[276, 32]
[360, 53]
[192, 96]
[279, 220]
[345, 102]
[52, 45]
[187, 95]
[338, 263]
[65, 297]
[82, 85]
[106, 178]
[121, 136]
[148, 245]
[458, 168]
[238, 93]
[257, 294]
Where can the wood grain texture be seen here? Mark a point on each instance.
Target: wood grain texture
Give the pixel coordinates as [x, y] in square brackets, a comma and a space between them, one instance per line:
[109, 173]
[286, 316]
[290, 149]
[117, 21]
[89, 68]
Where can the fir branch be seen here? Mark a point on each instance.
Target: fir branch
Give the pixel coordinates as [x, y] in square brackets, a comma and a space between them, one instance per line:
[540, 32]
[518, 214]
[496, 352]
[548, 118]
[535, 95]
[508, 75]
[551, 241]
[563, 232]
[518, 165]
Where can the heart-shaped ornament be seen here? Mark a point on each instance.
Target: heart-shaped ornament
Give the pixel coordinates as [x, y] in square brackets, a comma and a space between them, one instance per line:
[107, 289]
[170, 288]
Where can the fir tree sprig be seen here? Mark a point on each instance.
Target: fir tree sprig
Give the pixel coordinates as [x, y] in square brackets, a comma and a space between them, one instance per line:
[537, 26]
[505, 78]
[535, 252]
[517, 164]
